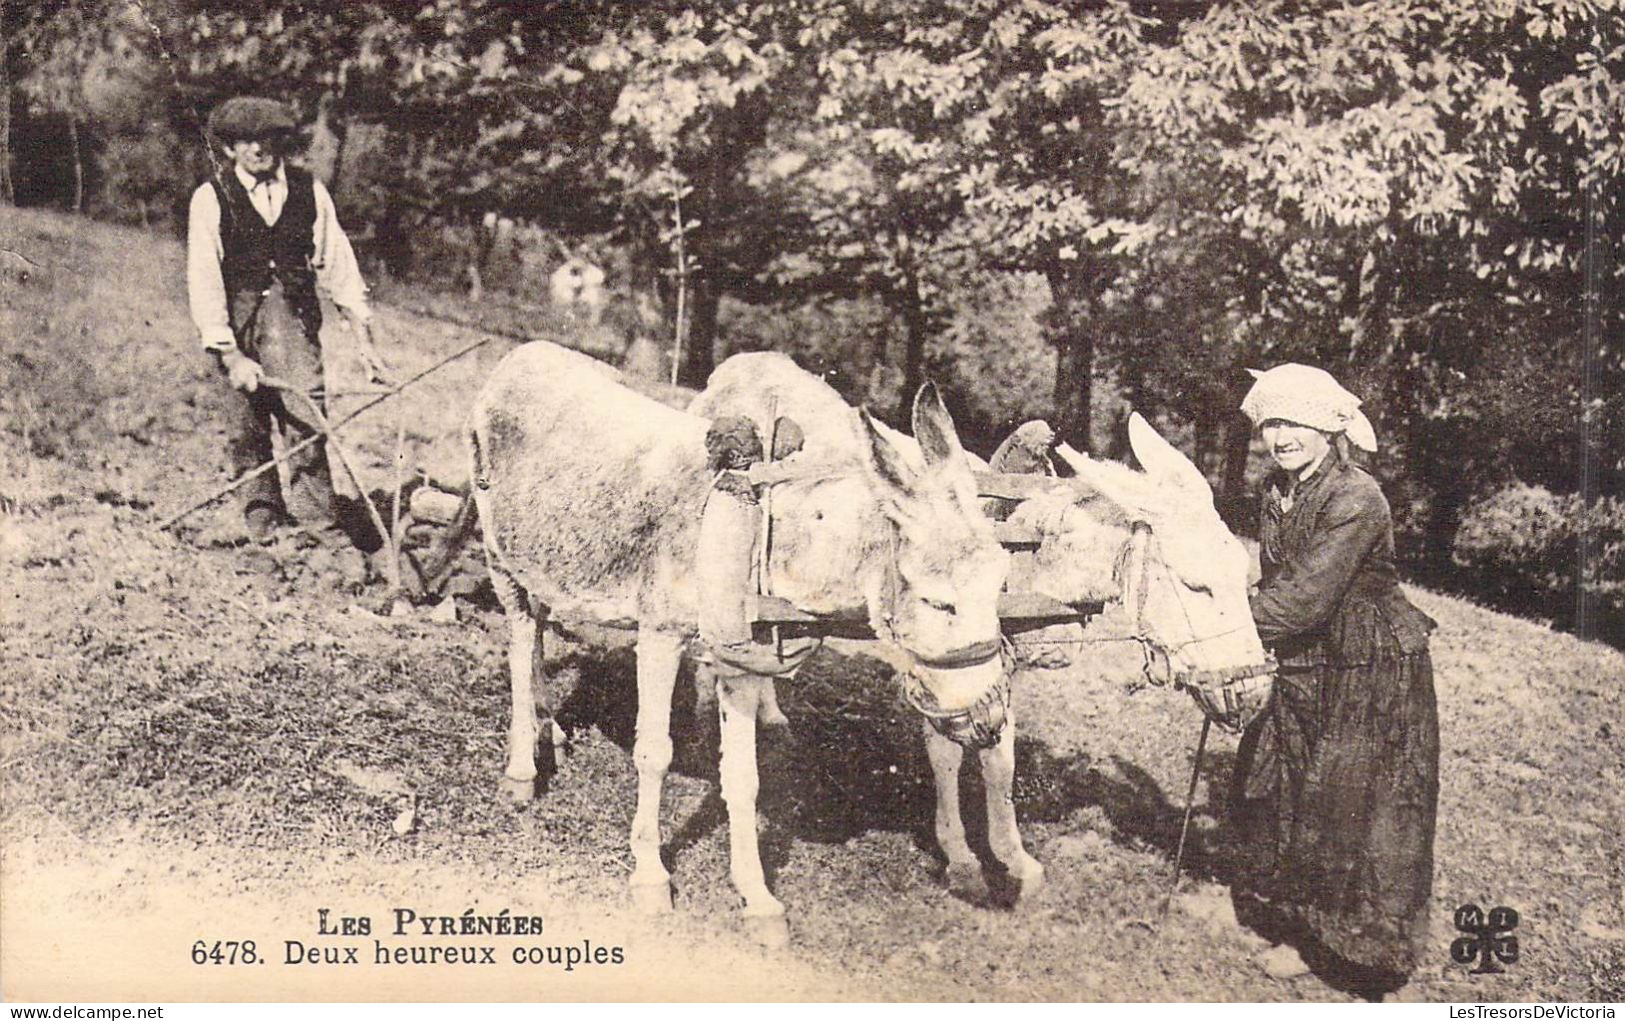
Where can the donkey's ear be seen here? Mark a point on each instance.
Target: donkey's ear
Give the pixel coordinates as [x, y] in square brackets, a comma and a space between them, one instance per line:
[1162, 460]
[1120, 484]
[934, 427]
[885, 457]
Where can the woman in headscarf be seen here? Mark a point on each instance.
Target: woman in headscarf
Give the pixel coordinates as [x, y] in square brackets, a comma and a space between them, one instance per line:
[1336, 783]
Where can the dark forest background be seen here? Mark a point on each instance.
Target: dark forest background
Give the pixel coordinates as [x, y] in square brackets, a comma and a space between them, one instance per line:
[1057, 210]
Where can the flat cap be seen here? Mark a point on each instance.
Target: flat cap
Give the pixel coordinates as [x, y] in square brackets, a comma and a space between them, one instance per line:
[251, 117]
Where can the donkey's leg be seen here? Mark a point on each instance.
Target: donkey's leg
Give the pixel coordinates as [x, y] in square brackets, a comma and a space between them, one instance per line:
[964, 870]
[658, 657]
[768, 713]
[519, 779]
[739, 699]
[999, 776]
[553, 733]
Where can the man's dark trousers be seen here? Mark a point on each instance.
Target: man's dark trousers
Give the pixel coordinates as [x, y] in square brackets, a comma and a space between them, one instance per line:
[269, 331]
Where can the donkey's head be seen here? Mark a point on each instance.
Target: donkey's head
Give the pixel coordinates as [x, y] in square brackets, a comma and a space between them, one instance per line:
[937, 596]
[1183, 575]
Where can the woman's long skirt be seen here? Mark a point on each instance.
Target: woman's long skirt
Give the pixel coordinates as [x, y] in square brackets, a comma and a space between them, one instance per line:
[1332, 808]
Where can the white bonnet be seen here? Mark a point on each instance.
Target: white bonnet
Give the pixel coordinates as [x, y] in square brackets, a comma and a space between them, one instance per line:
[1308, 396]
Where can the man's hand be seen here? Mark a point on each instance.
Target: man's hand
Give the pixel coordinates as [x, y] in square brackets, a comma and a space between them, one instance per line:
[243, 371]
[367, 346]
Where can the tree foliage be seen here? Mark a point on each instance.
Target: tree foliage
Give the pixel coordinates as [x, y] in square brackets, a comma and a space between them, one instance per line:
[1419, 196]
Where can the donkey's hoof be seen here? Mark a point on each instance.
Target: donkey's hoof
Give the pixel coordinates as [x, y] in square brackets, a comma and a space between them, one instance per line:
[1029, 886]
[652, 898]
[966, 882]
[520, 792]
[771, 931]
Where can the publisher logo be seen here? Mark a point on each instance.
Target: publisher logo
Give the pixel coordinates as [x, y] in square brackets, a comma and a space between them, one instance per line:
[1487, 941]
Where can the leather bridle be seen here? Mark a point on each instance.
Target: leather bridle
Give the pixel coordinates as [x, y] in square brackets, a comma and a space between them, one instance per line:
[1139, 547]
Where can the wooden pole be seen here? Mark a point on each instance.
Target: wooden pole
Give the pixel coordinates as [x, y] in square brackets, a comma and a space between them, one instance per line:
[395, 510]
[682, 281]
[254, 473]
[344, 461]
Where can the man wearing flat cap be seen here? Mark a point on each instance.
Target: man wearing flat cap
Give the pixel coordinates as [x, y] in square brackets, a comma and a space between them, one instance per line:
[261, 237]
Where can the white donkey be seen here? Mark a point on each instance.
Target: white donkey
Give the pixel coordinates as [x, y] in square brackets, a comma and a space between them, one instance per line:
[1154, 542]
[591, 496]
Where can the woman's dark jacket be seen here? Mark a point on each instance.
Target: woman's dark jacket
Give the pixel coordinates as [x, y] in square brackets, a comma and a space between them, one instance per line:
[1330, 595]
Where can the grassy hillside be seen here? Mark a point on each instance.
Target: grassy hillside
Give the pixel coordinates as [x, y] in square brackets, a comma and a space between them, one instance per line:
[191, 735]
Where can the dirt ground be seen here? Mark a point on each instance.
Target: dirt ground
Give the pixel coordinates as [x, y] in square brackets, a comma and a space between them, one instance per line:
[203, 741]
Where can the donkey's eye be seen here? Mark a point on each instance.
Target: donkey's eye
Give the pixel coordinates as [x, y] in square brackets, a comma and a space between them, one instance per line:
[938, 605]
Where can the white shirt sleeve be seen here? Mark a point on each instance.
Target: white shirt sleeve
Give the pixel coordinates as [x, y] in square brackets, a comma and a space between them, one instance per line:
[205, 286]
[336, 268]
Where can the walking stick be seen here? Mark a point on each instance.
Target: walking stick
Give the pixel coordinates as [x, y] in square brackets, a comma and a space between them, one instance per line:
[1190, 800]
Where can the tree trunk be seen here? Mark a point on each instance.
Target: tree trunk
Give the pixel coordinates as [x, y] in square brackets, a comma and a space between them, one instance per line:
[917, 324]
[1234, 503]
[701, 358]
[341, 135]
[1132, 386]
[8, 194]
[1202, 431]
[1074, 340]
[78, 166]
[1074, 405]
[1379, 282]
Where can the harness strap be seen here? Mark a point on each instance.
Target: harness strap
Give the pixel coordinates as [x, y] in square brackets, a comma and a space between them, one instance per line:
[773, 473]
[970, 655]
[764, 547]
[722, 562]
[1140, 548]
[1224, 675]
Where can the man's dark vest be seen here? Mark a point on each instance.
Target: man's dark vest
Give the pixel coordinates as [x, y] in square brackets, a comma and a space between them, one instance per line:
[257, 254]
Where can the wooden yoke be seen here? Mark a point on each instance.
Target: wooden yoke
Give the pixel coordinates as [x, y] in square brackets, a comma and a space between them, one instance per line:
[1018, 611]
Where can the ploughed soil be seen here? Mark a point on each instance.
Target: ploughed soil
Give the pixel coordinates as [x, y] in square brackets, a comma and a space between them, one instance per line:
[203, 740]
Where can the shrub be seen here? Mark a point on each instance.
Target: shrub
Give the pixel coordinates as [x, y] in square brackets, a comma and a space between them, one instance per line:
[1523, 548]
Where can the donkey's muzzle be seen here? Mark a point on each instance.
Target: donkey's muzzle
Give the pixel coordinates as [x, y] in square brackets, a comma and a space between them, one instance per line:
[977, 727]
